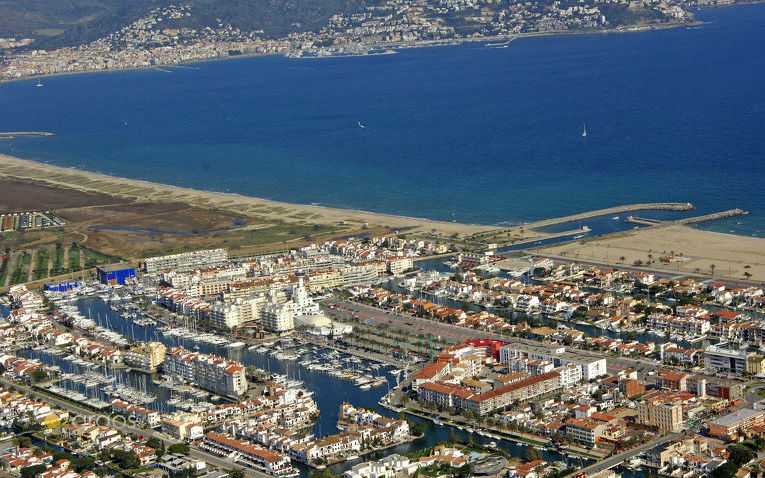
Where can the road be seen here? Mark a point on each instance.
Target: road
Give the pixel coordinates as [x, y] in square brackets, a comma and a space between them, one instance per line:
[124, 427]
[626, 455]
[348, 311]
[454, 333]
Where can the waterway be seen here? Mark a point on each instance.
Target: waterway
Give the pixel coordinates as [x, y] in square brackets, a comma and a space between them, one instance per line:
[329, 391]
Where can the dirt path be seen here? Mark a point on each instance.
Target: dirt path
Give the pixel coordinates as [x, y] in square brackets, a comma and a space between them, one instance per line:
[13, 257]
[30, 275]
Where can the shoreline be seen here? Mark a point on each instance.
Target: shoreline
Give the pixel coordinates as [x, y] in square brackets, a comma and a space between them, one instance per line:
[80, 180]
[391, 48]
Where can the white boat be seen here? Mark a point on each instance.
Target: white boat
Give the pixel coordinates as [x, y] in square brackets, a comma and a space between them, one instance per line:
[615, 218]
[235, 345]
[39, 84]
[584, 131]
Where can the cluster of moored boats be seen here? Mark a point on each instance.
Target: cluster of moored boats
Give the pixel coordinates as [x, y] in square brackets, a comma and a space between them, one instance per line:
[362, 373]
[193, 335]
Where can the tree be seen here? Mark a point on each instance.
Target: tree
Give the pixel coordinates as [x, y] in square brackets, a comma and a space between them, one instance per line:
[181, 448]
[465, 471]
[533, 454]
[125, 459]
[239, 473]
[712, 268]
[728, 470]
[32, 471]
[740, 454]
[158, 445]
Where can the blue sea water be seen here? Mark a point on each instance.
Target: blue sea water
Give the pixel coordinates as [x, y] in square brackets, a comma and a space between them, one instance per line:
[469, 133]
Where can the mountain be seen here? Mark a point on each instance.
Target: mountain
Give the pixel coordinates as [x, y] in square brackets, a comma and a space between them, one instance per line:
[56, 23]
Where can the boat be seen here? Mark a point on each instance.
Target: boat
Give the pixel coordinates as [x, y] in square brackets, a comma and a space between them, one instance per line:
[615, 218]
[235, 345]
[438, 422]
[361, 125]
[39, 84]
[365, 387]
[584, 131]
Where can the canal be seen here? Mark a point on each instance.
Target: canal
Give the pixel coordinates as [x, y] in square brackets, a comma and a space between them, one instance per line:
[329, 391]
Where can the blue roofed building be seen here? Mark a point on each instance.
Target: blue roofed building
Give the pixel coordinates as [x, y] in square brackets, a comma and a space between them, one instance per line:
[113, 274]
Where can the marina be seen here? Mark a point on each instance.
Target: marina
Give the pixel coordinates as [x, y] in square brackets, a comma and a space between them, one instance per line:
[355, 380]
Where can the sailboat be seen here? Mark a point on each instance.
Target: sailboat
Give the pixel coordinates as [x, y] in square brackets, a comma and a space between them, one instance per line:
[39, 84]
[361, 125]
[584, 130]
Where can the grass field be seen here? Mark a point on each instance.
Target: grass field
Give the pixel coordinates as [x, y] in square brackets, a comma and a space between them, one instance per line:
[41, 264]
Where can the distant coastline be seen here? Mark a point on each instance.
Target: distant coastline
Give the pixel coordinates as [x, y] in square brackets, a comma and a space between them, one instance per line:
[390, 48]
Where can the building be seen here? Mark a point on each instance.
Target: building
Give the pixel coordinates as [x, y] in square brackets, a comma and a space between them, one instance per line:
[220, 375]
[399, 265]
[184, 426]
[364, 274]
[755, 364]
[278, 318]
[484, 402]
[659, 410]
[241, 310]
[60, 286]
[247, 454]
[141, 415]
[592, 366]
[186, 260]
[584, 430]
[736, 424]
[147, 356]
[671, 380]
[724, 357]
[112, 274]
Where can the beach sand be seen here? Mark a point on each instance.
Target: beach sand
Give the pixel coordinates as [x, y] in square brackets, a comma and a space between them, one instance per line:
[729, 254]
[262, 209]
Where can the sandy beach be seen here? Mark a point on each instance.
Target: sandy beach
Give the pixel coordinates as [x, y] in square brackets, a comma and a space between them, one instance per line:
[729, 254]
[262, 209]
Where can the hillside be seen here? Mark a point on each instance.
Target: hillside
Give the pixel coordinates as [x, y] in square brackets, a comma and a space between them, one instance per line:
[55, 23]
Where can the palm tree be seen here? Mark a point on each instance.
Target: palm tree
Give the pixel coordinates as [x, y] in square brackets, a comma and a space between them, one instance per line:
[712, 267]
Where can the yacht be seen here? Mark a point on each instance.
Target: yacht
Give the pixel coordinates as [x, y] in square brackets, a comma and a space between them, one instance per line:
[584, 131]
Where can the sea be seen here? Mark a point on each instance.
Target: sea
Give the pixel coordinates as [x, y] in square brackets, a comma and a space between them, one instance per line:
[470, 133]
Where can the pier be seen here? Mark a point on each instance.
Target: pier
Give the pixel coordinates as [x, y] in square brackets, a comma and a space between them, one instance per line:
[530, 232]
[688, 220]
[26, 133]
[655, 206]
[712, 217]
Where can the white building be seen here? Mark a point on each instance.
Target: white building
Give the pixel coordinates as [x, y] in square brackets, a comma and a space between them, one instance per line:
[186, 260]
[591, 366]
[210, 372]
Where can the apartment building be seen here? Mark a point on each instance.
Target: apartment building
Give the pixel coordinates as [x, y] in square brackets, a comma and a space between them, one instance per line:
[458, 396]
[245, 453]
[659, 410]
[736, 424]
[234, 313]
[147, 356]
[220, 375]
[725, 357]
[186, 260]
[592, 366]
[584, 430]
